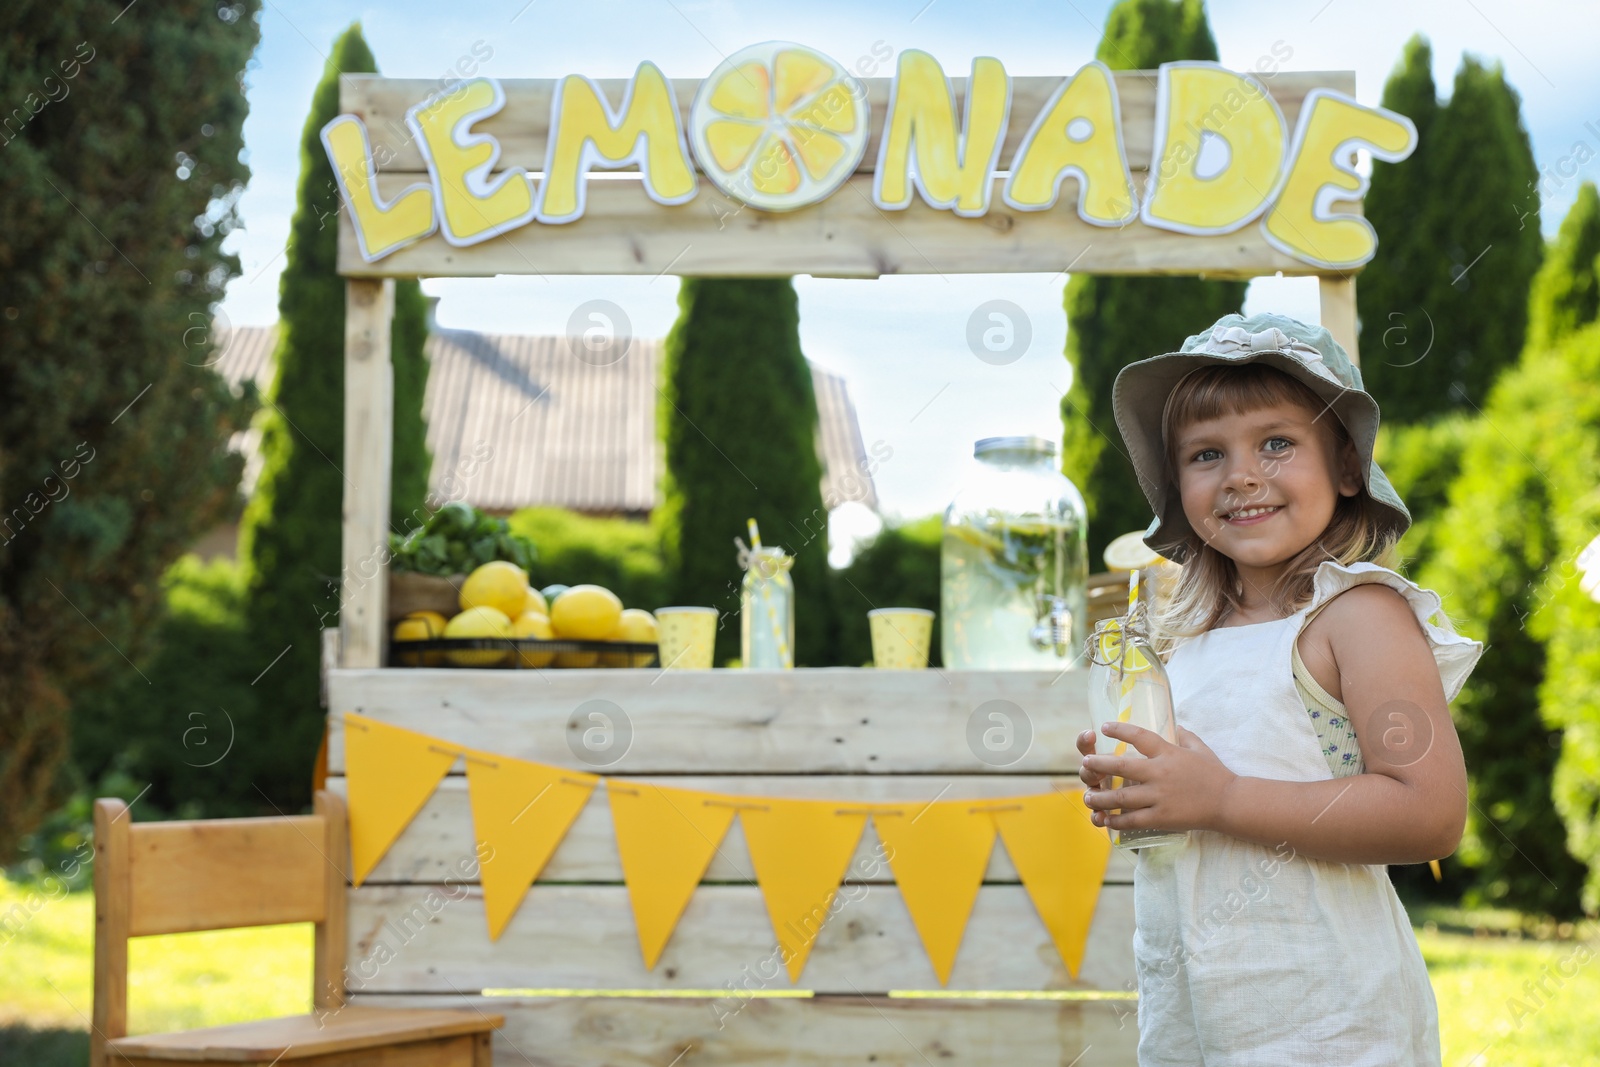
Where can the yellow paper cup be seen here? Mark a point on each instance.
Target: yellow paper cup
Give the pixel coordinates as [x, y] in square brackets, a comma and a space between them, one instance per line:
[686, 637]
[900, 637]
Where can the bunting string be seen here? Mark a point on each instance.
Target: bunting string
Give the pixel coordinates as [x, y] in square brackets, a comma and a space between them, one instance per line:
[801, 849]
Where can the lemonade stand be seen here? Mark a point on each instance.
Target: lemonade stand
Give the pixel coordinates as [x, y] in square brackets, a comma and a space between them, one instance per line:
[774, 866]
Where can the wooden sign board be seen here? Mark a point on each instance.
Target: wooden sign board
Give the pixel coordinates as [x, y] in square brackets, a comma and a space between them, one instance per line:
[849, 232]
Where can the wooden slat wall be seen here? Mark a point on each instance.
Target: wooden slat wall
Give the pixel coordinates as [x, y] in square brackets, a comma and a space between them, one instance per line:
[823, 1032]
[418, 934]
[582, 937]
[623, 232]
[832, 720]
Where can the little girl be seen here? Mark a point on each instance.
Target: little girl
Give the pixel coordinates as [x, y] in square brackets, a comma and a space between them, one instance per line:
[1311, 685]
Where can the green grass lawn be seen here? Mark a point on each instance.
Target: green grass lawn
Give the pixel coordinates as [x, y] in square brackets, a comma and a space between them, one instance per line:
[1479, 963]
[175, 982]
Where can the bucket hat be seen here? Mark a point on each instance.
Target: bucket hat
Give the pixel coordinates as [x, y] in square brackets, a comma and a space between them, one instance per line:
[1308, 354]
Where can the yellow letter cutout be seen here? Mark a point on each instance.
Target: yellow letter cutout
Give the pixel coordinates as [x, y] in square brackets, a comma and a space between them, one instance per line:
[950, 173]
[380, 227]
[472, 208]
[1217, 183]
[1331, 126]
[1077, 135]
[585, 132]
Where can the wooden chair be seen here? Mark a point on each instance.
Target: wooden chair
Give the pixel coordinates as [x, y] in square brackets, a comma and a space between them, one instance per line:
[175, 877]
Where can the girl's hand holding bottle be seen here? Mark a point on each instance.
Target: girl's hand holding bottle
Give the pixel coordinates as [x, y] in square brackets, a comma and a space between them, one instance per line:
[1091, 779]
[1166, 787]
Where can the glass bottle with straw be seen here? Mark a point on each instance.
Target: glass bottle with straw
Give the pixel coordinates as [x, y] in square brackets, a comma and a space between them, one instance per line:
[766, 605]
[1127, 683]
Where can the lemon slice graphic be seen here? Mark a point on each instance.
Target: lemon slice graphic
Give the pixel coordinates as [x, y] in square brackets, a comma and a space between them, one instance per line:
[779, 126]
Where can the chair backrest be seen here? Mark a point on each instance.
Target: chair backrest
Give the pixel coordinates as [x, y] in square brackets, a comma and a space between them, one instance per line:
[213, 874]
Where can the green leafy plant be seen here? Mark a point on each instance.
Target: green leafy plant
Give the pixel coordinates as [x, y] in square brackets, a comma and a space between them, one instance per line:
[457, 539]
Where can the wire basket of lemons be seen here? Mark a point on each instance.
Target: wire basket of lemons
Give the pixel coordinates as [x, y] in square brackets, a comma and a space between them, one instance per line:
[506, 623]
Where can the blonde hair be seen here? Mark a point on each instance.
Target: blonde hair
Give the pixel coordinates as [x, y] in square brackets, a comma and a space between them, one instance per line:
[1208, 588]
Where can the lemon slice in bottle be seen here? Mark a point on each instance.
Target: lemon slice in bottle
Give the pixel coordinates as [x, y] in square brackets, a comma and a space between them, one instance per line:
[1109, 648]
[779, 126]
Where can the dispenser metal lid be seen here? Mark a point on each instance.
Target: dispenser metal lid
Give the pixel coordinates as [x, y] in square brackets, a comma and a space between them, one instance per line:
[1041, 445]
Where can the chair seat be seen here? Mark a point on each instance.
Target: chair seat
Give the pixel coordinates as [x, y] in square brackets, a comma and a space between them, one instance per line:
[294, 1037]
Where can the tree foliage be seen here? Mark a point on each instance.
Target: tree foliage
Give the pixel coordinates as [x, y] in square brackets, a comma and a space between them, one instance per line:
[1564, 614]
[291, 532]
[574, 549]
[119, 174]
[1114, 321]
[739, 419]
[195, 732]
[1443, 304]
[899, 568]
[1566, 291]
[1521, 512]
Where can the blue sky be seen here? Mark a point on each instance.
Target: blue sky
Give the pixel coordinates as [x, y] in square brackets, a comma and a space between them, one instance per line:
[900, 342]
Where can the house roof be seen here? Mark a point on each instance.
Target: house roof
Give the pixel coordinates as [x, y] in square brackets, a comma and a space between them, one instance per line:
[521, 420]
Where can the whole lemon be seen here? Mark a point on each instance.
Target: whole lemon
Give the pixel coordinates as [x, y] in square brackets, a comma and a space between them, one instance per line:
[481, 621]
[533, 624]
[501, 585]
[636, 624]
[536, 603]
[586, 612]
[419, 626]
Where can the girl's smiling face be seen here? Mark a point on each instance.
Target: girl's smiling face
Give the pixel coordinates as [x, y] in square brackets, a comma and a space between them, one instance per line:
[1281, 457]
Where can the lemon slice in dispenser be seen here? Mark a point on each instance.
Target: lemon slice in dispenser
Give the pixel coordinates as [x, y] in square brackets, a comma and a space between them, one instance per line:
[1130, 553]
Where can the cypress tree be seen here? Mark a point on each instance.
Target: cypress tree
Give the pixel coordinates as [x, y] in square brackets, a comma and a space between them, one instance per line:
[291, 531]
[121, 141]
[1566, 292]
[411, 462]
[1482, 167]
[739, 421]
[1114, 321]
[1443, 303]
[1406, 278]
[1408, 275]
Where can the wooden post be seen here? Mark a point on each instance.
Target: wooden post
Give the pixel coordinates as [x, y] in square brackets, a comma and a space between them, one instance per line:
[329, 947]
[368, 444]
[1338, 296]
[112, 890]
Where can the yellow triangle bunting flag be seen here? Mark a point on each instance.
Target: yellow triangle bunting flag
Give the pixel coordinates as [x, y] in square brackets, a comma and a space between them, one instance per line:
[1061, 858]
[665, 839]
[800, 849]
[521, 810]
[391, 773]
[939, 852]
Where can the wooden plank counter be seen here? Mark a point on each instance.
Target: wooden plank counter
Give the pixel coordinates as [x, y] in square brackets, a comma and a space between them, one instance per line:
[845, 733]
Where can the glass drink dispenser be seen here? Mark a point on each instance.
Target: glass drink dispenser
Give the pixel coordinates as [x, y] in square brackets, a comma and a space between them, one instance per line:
[1014, 563]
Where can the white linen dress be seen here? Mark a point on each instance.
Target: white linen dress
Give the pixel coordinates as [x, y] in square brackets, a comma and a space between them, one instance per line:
[1254, 956]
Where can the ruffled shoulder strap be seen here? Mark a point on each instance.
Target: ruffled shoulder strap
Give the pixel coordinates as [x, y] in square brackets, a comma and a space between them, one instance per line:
[1455, 654]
